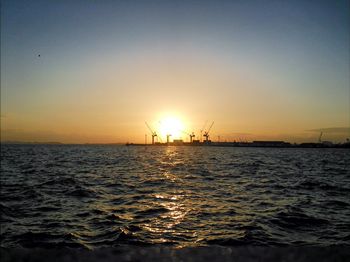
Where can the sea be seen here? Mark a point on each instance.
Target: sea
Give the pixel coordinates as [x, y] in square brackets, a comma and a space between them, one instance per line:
[96, 196]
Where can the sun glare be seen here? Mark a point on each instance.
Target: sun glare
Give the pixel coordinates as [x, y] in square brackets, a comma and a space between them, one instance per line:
[171, 126]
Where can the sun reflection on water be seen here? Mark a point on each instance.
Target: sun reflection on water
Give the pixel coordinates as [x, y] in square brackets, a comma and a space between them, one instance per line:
[167, 225]
[176, 211]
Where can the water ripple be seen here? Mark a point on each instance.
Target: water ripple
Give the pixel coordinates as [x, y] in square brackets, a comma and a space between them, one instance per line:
[104, 196]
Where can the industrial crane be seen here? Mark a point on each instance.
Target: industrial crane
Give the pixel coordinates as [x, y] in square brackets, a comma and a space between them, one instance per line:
[168, 135]
[206, 133]
[168, 138]
[154, 134]
[201, 138]
[319, 138]
[191, 135]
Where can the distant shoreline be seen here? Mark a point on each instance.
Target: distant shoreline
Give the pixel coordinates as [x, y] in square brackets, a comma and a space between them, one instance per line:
[53, 143]
[254, 144]
[263, 144]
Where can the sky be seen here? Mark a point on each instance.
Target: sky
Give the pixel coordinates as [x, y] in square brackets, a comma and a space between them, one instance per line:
[94, 71]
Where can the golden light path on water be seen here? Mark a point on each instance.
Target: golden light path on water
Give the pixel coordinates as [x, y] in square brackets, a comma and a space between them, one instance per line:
[166, 205]
[176, 203]
[174, 209]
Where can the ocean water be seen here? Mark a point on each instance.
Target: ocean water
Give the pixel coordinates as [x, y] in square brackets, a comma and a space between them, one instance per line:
[93, 196]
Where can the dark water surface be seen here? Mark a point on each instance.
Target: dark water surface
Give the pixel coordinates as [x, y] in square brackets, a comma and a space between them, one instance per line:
[105, 196]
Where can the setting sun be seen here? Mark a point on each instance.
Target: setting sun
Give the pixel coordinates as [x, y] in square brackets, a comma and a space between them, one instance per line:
[175, 130]
[171, 126]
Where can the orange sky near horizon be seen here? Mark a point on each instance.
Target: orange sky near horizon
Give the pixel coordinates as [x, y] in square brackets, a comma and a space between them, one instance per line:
[98, 80]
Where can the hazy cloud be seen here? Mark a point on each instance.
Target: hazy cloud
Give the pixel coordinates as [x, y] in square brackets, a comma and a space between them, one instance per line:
[241, 134]
[332, 130]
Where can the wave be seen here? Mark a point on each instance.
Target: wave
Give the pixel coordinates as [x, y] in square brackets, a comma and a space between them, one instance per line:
[82, 192]
[151, 211]
[321, 185]
[46, 240]
[92, 196]
[297, 220]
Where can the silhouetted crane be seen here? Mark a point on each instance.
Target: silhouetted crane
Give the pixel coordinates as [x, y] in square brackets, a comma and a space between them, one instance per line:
[201, 138]
[190, 135]
[167, 138]
[206, 133]
[154, 134]
[319, 138]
